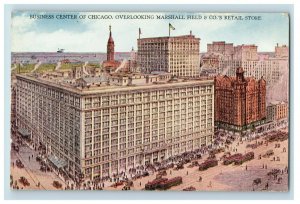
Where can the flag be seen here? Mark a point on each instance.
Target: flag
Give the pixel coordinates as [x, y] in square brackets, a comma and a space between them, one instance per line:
[171, 27]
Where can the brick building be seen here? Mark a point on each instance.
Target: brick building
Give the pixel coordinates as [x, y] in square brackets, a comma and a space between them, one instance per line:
[240, 102]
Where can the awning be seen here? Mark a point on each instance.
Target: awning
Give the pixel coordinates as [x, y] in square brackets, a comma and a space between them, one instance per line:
[23, 132]
[59, 163]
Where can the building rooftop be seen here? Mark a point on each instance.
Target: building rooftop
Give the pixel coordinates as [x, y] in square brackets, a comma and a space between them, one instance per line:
[111, 84]
[171, 37]
[277, 103]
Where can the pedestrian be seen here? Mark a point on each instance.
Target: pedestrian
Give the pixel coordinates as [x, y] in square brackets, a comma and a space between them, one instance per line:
[29, 158]
[140, 183]
[263, 166]
[187, 173]
[13, 164]
[246, 167]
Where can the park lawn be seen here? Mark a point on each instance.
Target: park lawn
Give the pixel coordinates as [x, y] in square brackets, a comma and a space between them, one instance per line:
[25, 69]
[46, 68]
[96, 65]
[67, 66]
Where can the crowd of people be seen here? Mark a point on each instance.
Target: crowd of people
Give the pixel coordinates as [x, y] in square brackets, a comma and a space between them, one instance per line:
[222, 141]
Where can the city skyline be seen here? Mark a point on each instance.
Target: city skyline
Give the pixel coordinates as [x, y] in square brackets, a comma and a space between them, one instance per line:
[90, 35]
[163, 118]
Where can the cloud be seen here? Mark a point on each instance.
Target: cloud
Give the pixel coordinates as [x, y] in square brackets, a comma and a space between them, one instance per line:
[91, 35]
[22, 23]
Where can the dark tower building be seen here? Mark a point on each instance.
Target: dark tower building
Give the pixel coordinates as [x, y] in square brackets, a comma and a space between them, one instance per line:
[110, 64]
[110, 47]
[240, 103]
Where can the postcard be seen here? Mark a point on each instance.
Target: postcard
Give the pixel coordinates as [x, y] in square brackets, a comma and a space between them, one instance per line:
[149, 101]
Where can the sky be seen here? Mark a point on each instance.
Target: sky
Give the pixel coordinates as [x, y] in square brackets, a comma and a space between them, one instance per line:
[90, 35]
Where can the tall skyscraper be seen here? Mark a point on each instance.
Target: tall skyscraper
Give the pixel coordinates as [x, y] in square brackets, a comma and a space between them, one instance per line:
[178, 55]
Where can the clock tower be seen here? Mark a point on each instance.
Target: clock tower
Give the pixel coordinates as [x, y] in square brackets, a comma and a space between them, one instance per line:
[110, 47]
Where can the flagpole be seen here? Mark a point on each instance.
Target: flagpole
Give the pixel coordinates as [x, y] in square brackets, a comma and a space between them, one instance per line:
[140, 32]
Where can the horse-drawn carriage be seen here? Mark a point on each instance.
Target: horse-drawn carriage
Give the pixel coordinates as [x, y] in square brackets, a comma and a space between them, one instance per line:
[116, 184]
[19, 163]
[38, 158]
[57, 184]
[24, 181]
[137, 176]
[15, 147]
[145, 173]
[179, 166]
[211, 155]
[198, 156]
[161, 168]
[125, 188]
[193, 164]
[170, 166]
[268, 153]
[160, 174]
[45, 168]
[256, 182]
[128, 185]
[190, 188]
